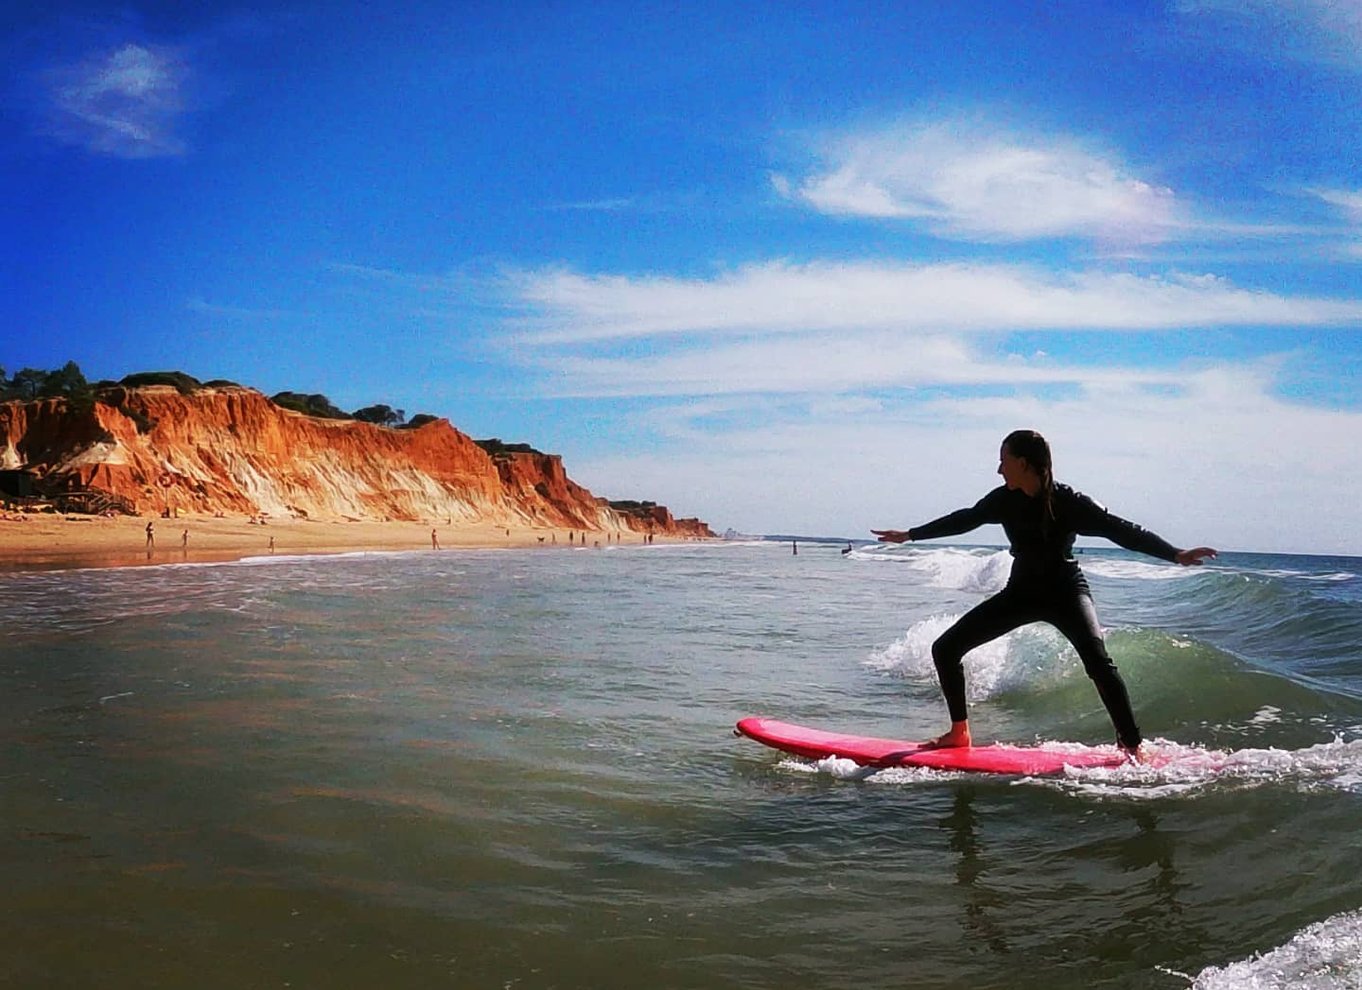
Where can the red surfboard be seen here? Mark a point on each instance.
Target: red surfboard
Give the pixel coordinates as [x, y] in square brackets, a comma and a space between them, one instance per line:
[870, 751]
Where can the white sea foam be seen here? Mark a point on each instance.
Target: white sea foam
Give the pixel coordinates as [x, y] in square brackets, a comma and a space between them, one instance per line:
[1140, 570]
[841, 768]
[1329, 577]
[1173, 769]
[287, 558]
[1032, 656]
[844, 769]
[874, 553]
[963, 570]
[982, 571]
[1266, 715]
[986, 570]
[1325, 956]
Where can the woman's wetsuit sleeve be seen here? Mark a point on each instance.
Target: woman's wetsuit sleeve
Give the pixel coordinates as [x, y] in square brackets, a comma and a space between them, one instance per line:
[1093, 519]
[961, 520]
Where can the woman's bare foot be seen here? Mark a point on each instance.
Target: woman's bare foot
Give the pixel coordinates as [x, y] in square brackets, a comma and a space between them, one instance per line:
[957, 738]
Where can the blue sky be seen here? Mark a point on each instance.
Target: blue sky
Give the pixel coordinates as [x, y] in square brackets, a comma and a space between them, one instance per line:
[788, 267]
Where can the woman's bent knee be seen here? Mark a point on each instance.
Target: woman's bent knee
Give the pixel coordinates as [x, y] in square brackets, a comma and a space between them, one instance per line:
[945, 657]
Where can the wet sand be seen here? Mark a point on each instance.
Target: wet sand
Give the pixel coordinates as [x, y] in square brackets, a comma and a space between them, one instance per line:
[43, 541]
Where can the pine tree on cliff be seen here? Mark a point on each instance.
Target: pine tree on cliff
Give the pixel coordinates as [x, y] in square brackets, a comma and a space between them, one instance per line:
[27, 383]
[66, 382]
[380, 415]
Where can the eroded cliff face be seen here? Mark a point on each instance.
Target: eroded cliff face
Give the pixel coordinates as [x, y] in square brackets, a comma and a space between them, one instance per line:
[232, 451]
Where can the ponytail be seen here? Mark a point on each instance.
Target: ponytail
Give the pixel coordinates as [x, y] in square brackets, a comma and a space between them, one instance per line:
[1047, 488]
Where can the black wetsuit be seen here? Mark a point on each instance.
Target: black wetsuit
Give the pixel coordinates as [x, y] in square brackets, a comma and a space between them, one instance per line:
[1046, 585]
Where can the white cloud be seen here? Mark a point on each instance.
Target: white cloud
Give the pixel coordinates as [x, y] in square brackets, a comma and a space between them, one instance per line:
[125, 102]
[614, 205]
[568, 308]
[1216, 462]
[1347, 201]
[1327, 31]
[203, 307]
[826, 363]
[828, 398]
[970, 182]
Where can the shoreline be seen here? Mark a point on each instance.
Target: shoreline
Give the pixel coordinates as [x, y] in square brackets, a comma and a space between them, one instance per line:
[53, 542]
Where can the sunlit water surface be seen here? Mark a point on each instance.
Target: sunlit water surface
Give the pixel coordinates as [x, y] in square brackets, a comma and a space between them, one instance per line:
[515, 769]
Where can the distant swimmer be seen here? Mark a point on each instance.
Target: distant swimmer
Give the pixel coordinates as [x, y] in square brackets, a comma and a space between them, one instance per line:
[847, 549]
[1041, 520]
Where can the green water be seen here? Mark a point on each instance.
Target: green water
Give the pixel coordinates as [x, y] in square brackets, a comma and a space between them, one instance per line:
[515, 769]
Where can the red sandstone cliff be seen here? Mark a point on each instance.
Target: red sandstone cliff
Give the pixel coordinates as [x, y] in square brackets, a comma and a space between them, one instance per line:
[231, 450]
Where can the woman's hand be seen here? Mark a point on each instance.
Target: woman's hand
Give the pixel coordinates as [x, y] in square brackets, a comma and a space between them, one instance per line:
[1195, 556]
[897, 535]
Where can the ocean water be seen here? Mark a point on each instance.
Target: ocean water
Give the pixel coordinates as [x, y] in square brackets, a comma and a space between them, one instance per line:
[515, 769]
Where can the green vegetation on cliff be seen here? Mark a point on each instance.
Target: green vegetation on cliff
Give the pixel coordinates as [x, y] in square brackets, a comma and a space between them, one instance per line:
[66, 382]
[632, 508]
[496, 448]
[315, 404]
[380, 415]
[182, 383]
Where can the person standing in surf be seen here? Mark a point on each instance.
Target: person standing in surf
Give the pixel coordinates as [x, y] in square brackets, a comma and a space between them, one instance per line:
[1041, 520]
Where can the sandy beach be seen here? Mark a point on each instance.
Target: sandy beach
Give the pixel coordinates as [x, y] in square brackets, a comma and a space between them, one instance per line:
[44, 540]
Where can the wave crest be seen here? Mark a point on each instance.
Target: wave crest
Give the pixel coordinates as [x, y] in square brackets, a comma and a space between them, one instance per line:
[1324, 956]
[1030, 657]
[981, 571]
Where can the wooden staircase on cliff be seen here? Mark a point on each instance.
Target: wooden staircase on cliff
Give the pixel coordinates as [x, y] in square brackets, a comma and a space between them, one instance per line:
[94, 502]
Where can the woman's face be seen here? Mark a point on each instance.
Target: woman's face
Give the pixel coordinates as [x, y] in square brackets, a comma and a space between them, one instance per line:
[1015, 470]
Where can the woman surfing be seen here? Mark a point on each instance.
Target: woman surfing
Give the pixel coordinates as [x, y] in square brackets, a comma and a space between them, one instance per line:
[1041, 520]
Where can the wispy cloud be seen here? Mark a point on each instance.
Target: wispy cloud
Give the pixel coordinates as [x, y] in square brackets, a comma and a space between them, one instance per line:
[125, 102]
[966, 180]
[1348, 204]
[612, 205]
[917, 456]
[1325, 31]
[1346, 201]
[203, 307]
[567, 307]
[1143, 452]
[830, 364]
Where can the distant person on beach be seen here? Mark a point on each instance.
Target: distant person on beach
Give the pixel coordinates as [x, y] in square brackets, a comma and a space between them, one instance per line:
[151, 535]
[434, 541]
[1041, 520]
[184, 540]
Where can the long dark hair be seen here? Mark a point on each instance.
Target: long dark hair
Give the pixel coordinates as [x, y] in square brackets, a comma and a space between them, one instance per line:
[1033, 448]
